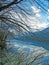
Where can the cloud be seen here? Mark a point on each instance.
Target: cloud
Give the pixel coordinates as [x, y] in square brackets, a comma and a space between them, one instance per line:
[48, 10]
[38, 15]
[35, 9]
[38, 26]
[42, 25]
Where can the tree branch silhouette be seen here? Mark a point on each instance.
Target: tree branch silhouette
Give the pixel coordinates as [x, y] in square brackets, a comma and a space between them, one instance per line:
[10, 4]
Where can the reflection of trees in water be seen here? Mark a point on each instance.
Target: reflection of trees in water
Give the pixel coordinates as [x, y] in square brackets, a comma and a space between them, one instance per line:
[20, 56]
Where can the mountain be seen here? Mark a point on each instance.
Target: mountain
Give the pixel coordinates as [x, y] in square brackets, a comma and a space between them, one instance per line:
[40, 36]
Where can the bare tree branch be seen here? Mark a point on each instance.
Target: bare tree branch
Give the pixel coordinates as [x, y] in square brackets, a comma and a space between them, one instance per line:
[8, 5]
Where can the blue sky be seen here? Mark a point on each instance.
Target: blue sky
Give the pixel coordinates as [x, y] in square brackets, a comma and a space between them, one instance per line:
[37, 12]
[44, 14]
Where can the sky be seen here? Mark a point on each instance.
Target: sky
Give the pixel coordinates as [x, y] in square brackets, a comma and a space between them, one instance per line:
[37, 12]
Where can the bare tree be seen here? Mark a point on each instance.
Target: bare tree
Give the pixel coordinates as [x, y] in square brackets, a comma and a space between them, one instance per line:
[7, 21]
